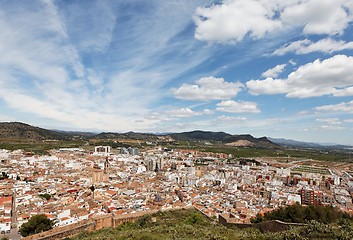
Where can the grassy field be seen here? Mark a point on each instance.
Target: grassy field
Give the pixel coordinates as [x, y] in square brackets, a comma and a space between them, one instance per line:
[38, 147]
[311, 169]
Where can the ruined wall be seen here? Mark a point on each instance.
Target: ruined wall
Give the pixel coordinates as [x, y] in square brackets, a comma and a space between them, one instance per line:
[269, 226]
[104, 221]
[63, 232]
[96, 223]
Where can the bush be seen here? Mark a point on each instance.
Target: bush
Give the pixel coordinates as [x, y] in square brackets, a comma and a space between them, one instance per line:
[303, 214]
[37, 224]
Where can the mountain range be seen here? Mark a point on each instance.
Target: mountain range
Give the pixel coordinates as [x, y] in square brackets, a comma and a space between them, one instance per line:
[18, 130]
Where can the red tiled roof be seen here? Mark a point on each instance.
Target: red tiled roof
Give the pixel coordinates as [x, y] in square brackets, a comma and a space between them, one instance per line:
[5, 199]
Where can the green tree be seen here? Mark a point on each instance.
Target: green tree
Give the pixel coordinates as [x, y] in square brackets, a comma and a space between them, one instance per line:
[37, 224]
[303, 214]
[46, 196]
[92, 189]
[3, 176]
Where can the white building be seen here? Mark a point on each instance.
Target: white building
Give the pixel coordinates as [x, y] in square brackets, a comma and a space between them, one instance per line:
[102, 150]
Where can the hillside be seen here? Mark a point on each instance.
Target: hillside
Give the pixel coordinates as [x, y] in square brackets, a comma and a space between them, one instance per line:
[235, 140]
[299, 144]
[128, 135]
[17, 130]
[191, 224]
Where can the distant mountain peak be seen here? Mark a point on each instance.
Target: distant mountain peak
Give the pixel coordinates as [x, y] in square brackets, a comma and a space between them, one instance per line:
[223, 137]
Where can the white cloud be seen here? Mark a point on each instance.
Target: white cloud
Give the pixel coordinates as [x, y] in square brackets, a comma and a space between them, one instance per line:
[237, 107]
[333, 76]
[182, 113]
[170, 115]
[243, 122]
[330, 121]
[345, 107]
[292, 62]
[274, 72]
[208, 88]
[232, 119]
[332, 127]
[53, 69]
[232, 20]
[318, 16]
[327, 45]
[348, 120]
[267, 86]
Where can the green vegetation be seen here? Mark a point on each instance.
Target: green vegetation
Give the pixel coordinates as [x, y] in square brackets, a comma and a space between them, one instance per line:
[36, 224]
[251, 152]
[190, 224]
[45, 196]
[39, 147]
[304, 214]
[3, 176]
[311, 169]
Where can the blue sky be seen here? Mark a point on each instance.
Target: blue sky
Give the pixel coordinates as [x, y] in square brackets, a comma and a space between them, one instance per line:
[265, 67]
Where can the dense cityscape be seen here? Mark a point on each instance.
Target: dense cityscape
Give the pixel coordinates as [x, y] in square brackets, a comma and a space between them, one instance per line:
[176, 119]
[73, 185]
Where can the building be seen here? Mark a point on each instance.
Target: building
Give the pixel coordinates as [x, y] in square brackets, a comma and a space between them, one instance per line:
[102, 150]
[312, 197]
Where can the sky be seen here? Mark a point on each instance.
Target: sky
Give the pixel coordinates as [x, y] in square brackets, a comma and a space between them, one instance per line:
[273, 68]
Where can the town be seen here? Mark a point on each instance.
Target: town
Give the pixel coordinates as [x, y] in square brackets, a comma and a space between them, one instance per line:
[72, 185]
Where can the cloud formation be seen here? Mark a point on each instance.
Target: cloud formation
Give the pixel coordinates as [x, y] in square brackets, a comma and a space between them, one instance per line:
[344, 107]
[208, 88]
[332, 76]
[237, 107]
[61, 65]
[186, 113]
[274, 72]
[232, 20]
[326, 45]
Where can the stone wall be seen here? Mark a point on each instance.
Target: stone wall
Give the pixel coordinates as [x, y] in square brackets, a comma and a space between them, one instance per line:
[103, 221]
[96, 223]
[269, 226]
[63, 232]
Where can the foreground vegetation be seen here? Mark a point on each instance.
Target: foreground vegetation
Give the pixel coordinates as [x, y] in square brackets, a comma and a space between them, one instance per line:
[304, 214]
[190, 224]
[37, 224]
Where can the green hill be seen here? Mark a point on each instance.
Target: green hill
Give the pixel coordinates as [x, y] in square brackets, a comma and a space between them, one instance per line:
[18, 130]
[191, 224]
[223, 138]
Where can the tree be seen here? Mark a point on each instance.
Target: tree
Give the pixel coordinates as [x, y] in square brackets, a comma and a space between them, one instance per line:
[3, 176]
[46, 196]
[92, 189]
[37, 224]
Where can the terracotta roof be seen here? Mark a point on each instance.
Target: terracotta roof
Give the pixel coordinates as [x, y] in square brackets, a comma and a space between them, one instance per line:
[5, 199]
